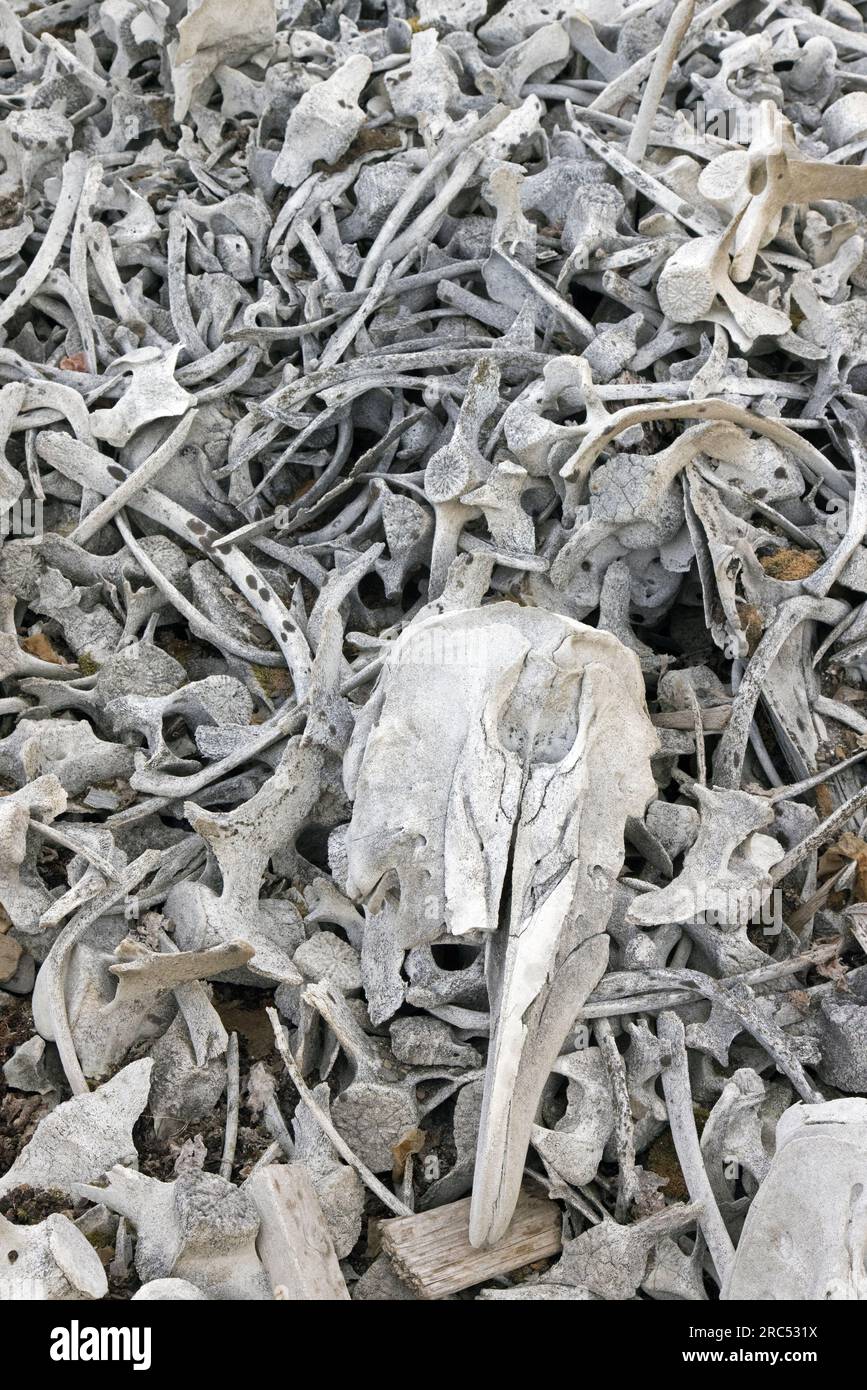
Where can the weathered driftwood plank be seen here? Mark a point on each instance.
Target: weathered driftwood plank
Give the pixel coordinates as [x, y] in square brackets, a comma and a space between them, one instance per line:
[431, 1250]
[294, 1243]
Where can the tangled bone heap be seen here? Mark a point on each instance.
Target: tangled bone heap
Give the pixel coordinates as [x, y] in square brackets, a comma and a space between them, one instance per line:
[433, 638]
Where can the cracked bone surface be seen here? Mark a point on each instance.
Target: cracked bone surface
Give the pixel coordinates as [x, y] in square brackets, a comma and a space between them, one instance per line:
[805, 1231]
[52, 1261]
[490, 796]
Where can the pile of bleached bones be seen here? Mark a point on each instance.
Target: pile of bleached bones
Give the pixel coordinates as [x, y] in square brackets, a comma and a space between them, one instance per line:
[433, 589]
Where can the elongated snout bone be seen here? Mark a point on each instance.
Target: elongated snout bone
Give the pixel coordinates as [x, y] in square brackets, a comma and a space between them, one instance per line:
[506, 749]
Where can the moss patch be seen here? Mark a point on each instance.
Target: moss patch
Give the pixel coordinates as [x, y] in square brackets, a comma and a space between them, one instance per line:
[663, 1161]
[86, 664]
[274, 680]
[791, 563]
[26, 1206]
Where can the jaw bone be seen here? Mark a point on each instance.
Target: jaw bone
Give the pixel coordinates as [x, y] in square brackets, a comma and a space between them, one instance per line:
[507, 749]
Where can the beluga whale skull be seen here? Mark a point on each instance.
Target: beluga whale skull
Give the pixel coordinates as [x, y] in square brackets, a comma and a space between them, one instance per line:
[492, 773]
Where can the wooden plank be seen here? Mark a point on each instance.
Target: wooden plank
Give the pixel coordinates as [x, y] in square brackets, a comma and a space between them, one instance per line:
[431, 1250]
[294, 1243]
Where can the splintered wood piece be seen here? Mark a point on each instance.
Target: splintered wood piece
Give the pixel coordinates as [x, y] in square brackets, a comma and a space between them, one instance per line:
[431, 1250]
[294, 1243]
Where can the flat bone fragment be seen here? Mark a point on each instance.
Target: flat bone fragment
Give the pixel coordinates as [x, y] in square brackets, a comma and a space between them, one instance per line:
[610, 1260]
[211, 32]
[338, 1187]
[804, 1233]
[83, 1137]
[153, 394]
[324, 123]
[718, 876]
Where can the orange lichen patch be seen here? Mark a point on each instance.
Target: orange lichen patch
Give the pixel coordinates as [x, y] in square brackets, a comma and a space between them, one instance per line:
[76, 363]
[753, 626]
[800, 999]
[412, 1143]
[849, 847]
[835, 970]
[824, 801]
[10, 955]
[39, 645]
[791, 563]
